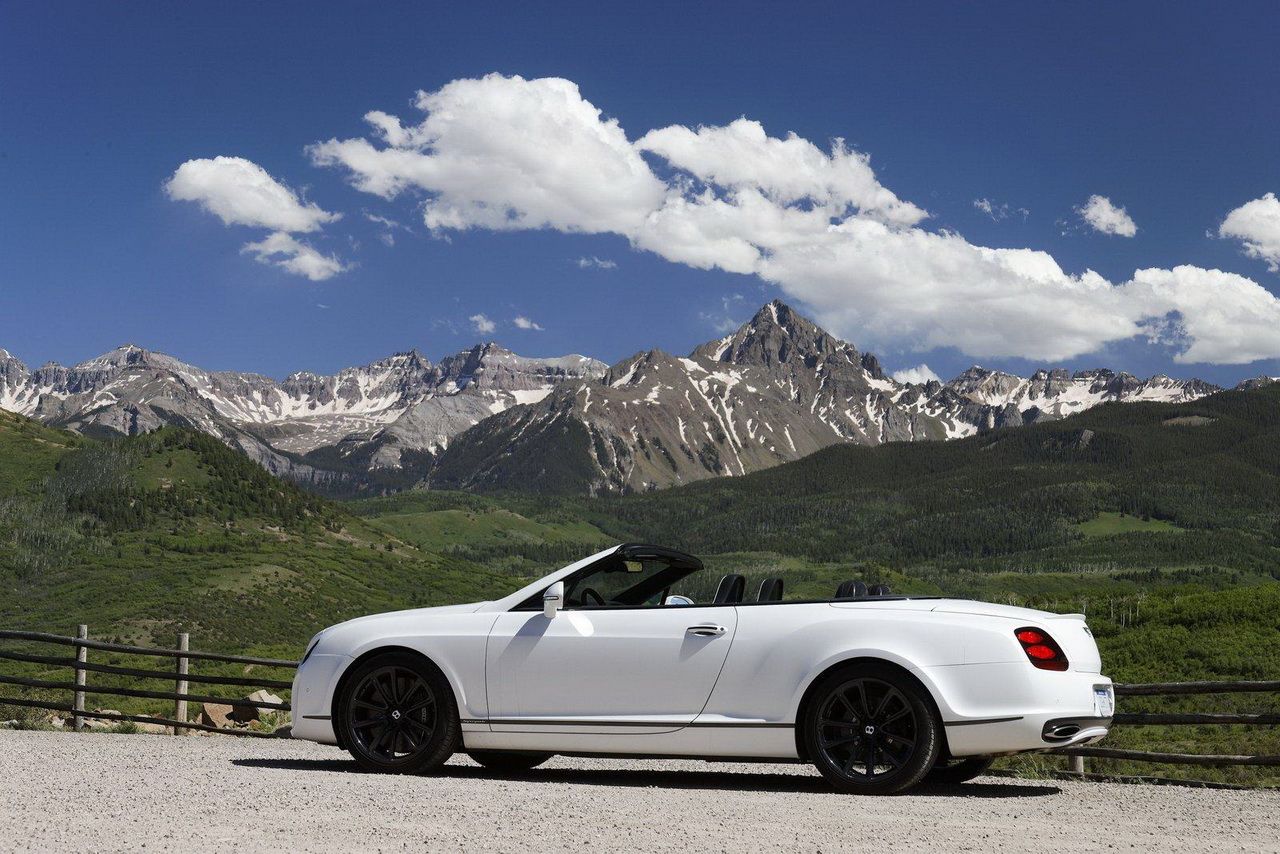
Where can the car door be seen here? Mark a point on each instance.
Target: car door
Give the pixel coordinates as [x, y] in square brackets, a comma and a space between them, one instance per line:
[635, 670]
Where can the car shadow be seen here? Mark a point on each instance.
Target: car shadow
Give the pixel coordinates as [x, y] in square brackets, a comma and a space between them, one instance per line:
[734, 781]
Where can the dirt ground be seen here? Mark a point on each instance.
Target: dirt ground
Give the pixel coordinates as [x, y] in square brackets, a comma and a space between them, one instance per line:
[100, 792]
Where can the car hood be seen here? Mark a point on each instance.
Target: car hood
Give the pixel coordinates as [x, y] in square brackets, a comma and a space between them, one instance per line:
[412, 613]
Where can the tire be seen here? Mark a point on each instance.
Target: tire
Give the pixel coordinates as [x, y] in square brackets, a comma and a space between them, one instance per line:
[872, 730]
[953, 772]
[397, 715]
[508, 763]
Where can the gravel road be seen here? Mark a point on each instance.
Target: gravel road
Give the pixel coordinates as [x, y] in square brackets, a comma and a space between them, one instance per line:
[99, 792]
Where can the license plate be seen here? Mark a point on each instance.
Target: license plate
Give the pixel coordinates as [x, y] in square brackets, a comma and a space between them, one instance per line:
[1104, 701]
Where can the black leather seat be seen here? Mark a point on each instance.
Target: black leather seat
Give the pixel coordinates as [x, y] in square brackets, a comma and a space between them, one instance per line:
[770, 590]
[851, 589]
[879, 590]
[731, 590]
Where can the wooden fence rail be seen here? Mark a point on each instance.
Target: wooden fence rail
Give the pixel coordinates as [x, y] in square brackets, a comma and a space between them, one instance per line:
[1171, 689]
[180, 677]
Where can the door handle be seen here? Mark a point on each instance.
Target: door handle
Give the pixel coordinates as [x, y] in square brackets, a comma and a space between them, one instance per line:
[706, 631]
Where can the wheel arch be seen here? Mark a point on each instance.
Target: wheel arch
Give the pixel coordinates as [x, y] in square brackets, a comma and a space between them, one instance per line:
[807, 698]
[345, 677]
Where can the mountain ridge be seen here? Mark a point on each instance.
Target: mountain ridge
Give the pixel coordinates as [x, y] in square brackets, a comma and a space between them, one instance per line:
[130, 390]
[776, 389]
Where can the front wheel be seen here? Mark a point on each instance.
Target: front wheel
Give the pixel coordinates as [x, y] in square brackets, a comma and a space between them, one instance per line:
[508, 763]
[872, 730]
[397, 715]
[952, 772]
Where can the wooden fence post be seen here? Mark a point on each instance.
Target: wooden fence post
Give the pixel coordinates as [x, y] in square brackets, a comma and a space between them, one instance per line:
[180, 706]
[82, 655]
[1077, 764]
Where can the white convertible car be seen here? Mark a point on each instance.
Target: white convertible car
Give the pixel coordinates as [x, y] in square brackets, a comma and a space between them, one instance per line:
[635, 652]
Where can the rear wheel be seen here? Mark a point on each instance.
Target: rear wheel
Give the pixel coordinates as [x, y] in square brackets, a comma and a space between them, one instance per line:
[397, 715]
[506, 763]
[952, 772]
[871, 730]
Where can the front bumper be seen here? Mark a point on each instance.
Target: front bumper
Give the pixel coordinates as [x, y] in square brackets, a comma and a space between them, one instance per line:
[313, 689]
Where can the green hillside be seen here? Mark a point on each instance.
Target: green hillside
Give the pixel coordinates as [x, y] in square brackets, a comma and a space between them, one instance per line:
[1013, 499]
[29, 451]
[517, 535]
[173, 531]
[1093, 512]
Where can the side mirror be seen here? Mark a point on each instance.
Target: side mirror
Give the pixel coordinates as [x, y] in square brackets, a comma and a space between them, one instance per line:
[553, 600]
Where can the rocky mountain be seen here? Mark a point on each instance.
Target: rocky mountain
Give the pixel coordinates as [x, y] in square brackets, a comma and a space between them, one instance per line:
[376, 411]
[776, 390]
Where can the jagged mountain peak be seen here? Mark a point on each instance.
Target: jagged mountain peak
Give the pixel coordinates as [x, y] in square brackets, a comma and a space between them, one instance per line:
[408, 362]
[977, 372]
[404, 360]
[777, 334]
[1256, 383]
[130, 355]
[638, 366]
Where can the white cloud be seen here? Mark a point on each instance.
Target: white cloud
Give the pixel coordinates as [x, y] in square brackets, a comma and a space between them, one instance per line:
[507, 153]
[526, 323]
[741, 156]
[1105, 217]
[919, 375]
[284, 251]
[1216, 317]
[598, 263]
[999, 211]
[240, 192]
[482, 324]
[383, 221]
[1257, 225]
[388, 238]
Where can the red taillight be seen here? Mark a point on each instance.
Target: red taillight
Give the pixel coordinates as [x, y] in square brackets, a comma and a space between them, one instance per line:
[1042, 650]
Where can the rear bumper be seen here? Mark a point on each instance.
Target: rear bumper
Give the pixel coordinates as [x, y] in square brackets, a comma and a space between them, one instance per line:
[1024, 734]
[1067, 731]
[1014, 708]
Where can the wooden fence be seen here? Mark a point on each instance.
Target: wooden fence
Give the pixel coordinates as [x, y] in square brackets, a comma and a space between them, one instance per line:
[180, 676]
[1079, 754]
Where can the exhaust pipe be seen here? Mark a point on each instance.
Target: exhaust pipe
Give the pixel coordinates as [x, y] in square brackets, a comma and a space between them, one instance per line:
[1060, 731]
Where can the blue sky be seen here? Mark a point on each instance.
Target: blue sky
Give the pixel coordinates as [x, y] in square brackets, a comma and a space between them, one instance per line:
[1169, 111]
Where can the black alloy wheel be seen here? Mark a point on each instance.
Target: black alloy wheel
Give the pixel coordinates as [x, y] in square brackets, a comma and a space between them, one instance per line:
[508, 763]
[953, 772]
[872, 730]
[398, 715]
